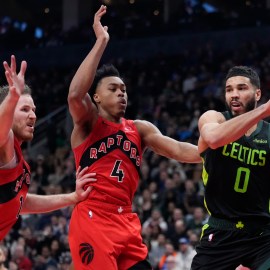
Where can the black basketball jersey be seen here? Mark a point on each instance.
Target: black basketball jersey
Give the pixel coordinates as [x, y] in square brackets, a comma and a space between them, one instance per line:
[237, 176]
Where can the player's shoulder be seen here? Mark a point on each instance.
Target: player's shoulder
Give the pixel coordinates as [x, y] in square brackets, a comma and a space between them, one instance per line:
[145, 127]
[143, 124]
[212, 115]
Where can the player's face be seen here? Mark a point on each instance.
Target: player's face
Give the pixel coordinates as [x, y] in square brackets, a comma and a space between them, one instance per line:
[24, 118]
[241, 96]
[111, 98]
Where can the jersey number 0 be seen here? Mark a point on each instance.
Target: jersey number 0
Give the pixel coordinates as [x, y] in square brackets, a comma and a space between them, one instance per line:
[242, 179]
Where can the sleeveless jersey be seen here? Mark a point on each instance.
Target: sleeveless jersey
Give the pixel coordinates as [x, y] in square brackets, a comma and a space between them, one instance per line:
[237, 176]
[113, 151]
[14, 185]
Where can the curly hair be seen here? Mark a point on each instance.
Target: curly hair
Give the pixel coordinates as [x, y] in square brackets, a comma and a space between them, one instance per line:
[107, 70]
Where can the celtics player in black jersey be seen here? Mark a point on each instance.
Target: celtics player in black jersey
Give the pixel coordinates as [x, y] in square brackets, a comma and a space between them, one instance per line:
[235, 147]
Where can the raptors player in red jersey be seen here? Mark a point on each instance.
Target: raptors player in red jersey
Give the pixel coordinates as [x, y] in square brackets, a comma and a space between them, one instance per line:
[17, 118]
[104, 233]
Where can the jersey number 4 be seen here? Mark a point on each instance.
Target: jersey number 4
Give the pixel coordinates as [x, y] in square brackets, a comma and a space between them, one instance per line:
[117, 171]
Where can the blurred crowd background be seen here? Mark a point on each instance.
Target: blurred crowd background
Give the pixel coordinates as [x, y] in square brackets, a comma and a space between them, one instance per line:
[173, 56]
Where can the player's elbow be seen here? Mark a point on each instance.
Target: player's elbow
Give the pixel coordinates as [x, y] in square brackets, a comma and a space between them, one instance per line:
[213, 142]
[73, 97]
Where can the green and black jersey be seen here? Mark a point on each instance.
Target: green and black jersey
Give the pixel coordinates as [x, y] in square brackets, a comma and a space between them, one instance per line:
[237, 176]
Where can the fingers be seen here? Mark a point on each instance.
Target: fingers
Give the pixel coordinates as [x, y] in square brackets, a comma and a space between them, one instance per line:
[13, 63]
[80, 172]
[12, 89]
[87, 192]
[6, 67]
[12, 68]
[9, 80]
[23, 67]
[86, 179]
[102, 10]
[82, 175]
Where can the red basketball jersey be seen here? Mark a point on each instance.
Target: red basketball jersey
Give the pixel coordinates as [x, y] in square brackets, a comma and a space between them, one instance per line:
[14, 184]
[113, 151]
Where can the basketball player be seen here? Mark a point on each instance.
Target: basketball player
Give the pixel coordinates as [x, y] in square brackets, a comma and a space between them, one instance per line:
[104, 233]
[235, 147]
[17, 118]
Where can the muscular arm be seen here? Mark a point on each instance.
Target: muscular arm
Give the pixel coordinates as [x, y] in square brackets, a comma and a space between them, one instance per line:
[81, 106]
[46, 203]
[79, 101]
[166, 146]
[216, 132]
[7, 109]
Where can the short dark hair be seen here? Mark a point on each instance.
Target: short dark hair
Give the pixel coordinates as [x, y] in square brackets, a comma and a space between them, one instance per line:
[245, 72]
[106, 70]
[4, 90]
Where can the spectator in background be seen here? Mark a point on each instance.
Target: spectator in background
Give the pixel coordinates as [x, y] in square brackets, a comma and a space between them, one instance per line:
[156, 219]
[192, 198]
[65, 261]
[144, 204]
[2, 258]
[197, 220]
[157, 249]
[185, 254]
[179, 230]
[169, 251]
[171, 263]
[20, 258]
[12, 266]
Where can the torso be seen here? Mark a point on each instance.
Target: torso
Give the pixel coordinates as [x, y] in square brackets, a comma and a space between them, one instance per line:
[113, 151]
[13, 190]
[236, 177]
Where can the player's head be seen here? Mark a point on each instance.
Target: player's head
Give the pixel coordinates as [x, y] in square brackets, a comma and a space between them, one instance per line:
[108, 92]
[4, 90]
[24, 118]
[242, 89]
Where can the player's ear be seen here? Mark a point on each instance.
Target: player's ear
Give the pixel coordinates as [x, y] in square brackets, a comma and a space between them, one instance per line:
[96, 98]
[258, 94]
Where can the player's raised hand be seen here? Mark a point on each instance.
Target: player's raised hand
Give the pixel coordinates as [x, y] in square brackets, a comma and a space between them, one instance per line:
[100, 30]
[15, 80]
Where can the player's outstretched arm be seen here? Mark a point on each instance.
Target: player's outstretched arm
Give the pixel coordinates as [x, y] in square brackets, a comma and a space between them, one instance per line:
[166, 146]
[80, 104]
[46, 203]
[215, 131]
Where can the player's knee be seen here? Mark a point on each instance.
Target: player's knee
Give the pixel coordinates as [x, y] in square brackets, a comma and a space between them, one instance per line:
[142, 265]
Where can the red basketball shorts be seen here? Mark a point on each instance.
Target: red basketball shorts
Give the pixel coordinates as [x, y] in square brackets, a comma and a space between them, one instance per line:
[105, 237]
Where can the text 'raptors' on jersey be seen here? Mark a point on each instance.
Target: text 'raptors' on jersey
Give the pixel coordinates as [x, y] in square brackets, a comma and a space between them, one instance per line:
[114, 153]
